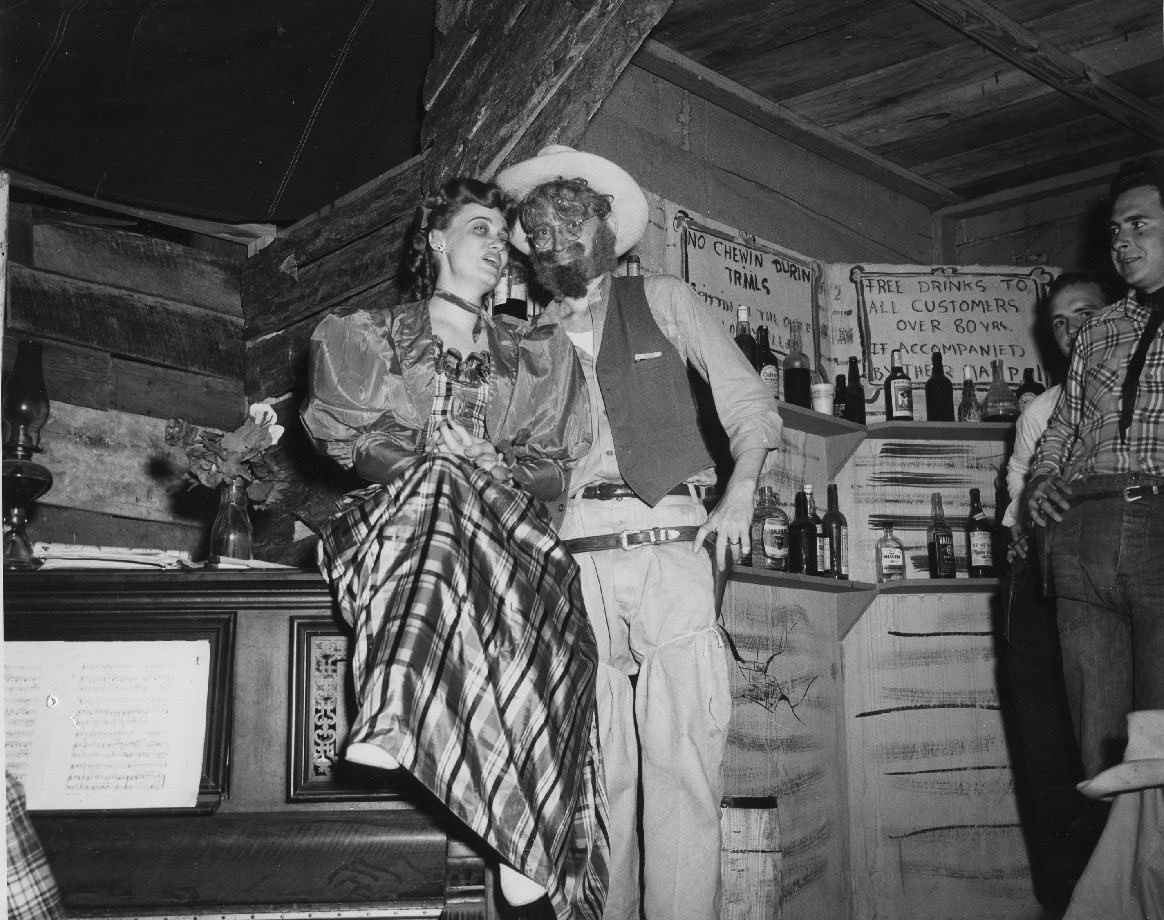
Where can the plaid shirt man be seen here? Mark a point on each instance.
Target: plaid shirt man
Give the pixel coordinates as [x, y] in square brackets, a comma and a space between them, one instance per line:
[32, 891]
[1082, 438]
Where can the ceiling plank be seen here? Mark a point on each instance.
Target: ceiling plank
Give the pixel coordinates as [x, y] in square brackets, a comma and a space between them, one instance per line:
[991, 28]
[670, 65]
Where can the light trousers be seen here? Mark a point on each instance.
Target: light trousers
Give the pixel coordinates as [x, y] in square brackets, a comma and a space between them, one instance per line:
[663, 708]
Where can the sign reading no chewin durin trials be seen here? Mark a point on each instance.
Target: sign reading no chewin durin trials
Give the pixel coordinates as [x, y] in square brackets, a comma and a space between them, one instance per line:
[971, 315]
[727, 269]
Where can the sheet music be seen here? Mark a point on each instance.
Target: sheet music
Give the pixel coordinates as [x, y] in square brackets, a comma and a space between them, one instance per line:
[106, 724]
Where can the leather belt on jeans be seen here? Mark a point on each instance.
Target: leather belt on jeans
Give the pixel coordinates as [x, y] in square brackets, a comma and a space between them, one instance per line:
[1128, 494]
[630, 539]
[604, 491]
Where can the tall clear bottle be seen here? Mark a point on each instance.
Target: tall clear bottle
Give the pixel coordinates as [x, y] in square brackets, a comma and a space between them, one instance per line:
[769, 532]
[797, 372]
[940, 541]
[979, 540]
[802, 539]
[822, 540]
[968, 408]
[889, 556]
[744, 337]
[939, 393]
[898, 390]
[836, 528]
[855, 394]
[999, 404]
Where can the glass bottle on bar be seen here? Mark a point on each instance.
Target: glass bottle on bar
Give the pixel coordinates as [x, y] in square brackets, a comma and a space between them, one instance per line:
[840, 398]
[769, 532]
[940, 541]
[855, 394]
[939, 393]
[999, 403]
[836, 528]
[979, 540]
[889, 556]
[744, 338]
[802, 539]
[822, 540]
[797, 372]
[898, 390]
[766, 361]
[1028, 389]
[968, 408]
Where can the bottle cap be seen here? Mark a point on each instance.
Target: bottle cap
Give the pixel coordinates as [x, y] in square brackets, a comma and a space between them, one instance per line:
[742, 312]
[967, 372]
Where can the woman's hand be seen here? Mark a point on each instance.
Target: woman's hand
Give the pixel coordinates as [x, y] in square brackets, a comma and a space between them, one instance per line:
[454, 439]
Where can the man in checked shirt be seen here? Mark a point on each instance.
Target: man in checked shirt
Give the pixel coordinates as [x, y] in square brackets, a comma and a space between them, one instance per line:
[1097, 486]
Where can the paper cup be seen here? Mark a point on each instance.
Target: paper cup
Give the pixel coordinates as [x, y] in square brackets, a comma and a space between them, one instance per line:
[822, 398]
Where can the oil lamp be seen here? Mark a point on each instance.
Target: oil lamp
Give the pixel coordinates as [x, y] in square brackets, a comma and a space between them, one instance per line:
[26, 409]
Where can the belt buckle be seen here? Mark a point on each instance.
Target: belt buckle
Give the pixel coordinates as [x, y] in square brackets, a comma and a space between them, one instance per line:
[654, 535]
[1133, 493]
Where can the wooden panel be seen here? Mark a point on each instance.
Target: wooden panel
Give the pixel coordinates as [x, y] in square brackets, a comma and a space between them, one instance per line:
[56, 524]
[74, 375]
[168, 393]
[137, 263]
[783, 737]
[122, 322]
[935, 832]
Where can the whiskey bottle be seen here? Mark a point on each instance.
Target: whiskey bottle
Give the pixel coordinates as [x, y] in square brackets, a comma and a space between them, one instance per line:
[836, 529]
[940, 541]
[769, 532]
[634, 267]
[802, 539]
[1028, 389]
[979, 540]
[822, 540]
[509, 297]
[855, 394]
[968, 408]
[890, 557]
[898, 391]
[939, 393]
[840, 398]
[744, 337]
[766, 361]
[797, 372]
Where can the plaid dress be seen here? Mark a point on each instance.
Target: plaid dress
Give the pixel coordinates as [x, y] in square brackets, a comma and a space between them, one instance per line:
[474, 663]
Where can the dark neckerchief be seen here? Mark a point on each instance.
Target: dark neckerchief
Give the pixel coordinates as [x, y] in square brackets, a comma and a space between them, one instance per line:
[1154, 304]
[469, 307]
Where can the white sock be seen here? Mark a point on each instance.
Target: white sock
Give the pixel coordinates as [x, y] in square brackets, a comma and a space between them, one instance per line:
[517, 888]
[371, 755]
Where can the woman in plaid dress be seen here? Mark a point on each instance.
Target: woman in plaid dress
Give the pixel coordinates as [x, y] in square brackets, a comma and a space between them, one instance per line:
[474, 663]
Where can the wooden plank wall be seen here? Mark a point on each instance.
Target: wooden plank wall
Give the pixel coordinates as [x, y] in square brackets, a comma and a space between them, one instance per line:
[136, 329]
[935, 833]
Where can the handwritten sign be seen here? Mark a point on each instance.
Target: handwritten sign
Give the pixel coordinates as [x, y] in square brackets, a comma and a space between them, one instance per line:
[728, 268]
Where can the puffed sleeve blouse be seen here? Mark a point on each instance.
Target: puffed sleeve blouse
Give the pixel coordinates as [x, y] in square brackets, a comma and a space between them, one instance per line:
[373, 379]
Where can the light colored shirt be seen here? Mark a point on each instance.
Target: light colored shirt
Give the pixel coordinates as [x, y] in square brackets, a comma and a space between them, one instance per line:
[743, 403]
[1082, 438]
[1028, 429]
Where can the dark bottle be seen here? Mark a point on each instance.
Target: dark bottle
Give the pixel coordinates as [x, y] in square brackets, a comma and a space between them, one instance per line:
[1028, 389]
[836, 529]
[802, 539]
[766, 362]
[979, 540]
[898, 390]
[744, 337]
[822, 540]
[634, 267]
[855, 394]
[509, 297]
[840, 396]
[940, 541]
[797, 372]
[939, 393]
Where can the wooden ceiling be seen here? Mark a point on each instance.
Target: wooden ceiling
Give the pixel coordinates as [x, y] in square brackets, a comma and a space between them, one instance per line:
[967, 96]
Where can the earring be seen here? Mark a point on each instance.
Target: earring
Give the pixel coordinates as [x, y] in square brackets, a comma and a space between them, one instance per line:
[439, 247]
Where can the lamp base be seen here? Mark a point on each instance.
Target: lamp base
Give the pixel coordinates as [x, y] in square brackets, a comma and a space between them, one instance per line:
[24, 483]
[18, 555]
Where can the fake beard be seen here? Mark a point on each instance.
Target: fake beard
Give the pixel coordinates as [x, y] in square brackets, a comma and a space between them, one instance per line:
[568, 274]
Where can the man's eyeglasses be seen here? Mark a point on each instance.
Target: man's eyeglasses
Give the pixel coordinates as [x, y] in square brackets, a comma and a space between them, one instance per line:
[542, 238]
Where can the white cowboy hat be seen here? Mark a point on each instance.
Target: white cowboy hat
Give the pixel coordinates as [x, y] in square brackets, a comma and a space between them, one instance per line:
[628, 205]
[1143, 765]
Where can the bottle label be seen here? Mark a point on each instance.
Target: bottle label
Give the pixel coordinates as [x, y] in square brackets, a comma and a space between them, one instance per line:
[892, 560]
[901, 397]
[1025, 400]
[944, 551]
[776, 539]
[980, 549]
[770, 374]
[822, 554]
[840, 551]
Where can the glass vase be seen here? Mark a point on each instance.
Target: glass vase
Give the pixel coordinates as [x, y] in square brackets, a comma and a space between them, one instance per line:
[999, 404]
[231, 534]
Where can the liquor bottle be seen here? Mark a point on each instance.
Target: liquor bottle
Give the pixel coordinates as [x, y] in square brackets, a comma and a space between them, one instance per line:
[979, 540]
[968, 408]
[797, 372]
[1028, 389]
[769, 532]
[855, 394]
[890, 556]
[898, 390]
[840, 398]
[802, 539]
[766, 362]
[822, 539]
[509, 297]
[940, 541]
[744, 337]
[634, 267]
[836, 529]
[939, 393]
[999, 404]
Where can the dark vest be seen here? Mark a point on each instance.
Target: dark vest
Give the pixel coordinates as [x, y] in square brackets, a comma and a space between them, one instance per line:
[649, 404]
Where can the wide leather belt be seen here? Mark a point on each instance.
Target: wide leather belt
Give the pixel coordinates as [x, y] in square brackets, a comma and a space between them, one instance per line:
[632, 539]
[604, 491]
[1128, 494]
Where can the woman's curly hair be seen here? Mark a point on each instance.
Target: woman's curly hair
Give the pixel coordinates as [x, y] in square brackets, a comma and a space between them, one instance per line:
[420, 265]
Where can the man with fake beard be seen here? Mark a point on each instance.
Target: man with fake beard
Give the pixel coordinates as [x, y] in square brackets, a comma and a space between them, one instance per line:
[636, 523]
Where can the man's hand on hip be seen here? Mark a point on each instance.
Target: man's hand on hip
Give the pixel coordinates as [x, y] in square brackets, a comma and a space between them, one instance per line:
[1047, 498]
